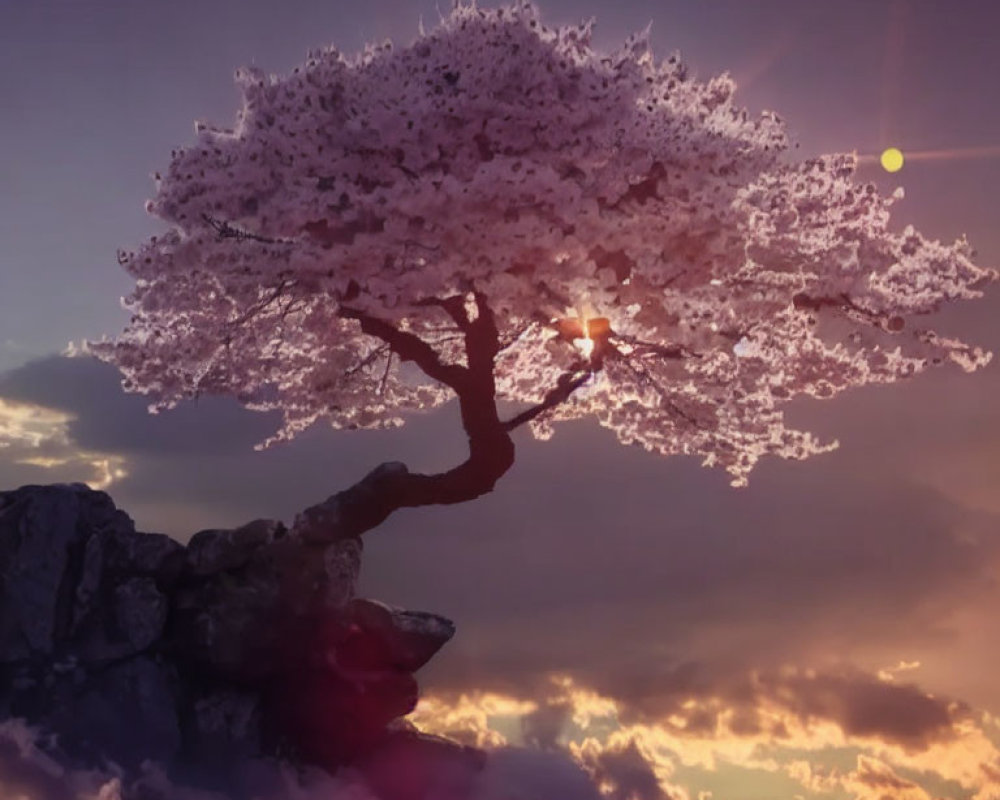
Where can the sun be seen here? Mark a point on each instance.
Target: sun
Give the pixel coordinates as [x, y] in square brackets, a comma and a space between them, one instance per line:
[892, 159]
[585, 343]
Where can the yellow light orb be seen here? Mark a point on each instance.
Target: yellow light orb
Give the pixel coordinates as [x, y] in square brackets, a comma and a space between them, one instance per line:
[892, 159]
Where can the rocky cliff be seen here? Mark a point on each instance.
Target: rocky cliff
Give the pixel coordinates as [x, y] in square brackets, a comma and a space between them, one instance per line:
[250, 642]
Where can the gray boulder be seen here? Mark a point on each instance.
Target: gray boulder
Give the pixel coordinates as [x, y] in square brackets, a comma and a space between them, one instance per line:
[129, 646]
[126, 713]
[392, 637]
[233, 623]
[345, 515]
[140, 611]
[226, 724]
[212, 551]
[152, 554]
[51, 564]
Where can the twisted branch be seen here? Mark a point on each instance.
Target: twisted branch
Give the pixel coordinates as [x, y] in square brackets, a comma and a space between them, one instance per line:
[392, 486]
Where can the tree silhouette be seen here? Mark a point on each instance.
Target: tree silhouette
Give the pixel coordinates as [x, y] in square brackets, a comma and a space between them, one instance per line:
[501, 214]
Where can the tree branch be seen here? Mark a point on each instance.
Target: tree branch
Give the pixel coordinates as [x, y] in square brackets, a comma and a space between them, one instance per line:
[409, 347]
[368, 360]
[844, 302]
[392, 486]
[565, 386]
[454, 307]
[643, 374]
[226, 230]
[482, 341]
[673, 351]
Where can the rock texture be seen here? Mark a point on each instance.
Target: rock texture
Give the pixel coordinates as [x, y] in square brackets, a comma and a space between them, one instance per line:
[246, 643]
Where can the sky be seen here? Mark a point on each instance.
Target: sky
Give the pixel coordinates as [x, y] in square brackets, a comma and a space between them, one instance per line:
[827, 632]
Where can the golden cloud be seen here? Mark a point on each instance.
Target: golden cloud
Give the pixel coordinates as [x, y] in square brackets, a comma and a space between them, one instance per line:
[36, 436]
[796, 724]
[470, 718]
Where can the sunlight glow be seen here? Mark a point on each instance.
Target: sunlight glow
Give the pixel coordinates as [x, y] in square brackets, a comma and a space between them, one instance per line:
[779, 742]
[950, 154]
[29, 425]
[888, 674]
[470, 718]
[892, 159]
[109, 470]
[585, 344]
[36, 436]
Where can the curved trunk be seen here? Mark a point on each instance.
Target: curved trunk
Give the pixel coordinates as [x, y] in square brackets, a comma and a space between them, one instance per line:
[392, 486]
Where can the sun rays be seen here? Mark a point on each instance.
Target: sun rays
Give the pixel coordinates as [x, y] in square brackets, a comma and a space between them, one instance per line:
[943, 154]
[891, 156]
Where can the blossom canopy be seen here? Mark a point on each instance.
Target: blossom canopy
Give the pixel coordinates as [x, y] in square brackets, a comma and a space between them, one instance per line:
[498, 164]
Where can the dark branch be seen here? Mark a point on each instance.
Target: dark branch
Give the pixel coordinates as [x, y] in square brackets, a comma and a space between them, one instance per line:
[409, 347]
[673, 351]
[511, 339]
[274, 297]
[568, 383]
[667, 401]
[368, 360]
[385, 375]
[226, 230]
[453, 306]
[392, 486]
[843, 302]
[482, 341]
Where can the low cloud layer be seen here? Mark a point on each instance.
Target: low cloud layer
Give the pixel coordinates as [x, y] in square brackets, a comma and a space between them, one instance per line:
[826, 734]
[571, 743]
[826, 632]
[35, 440]
[28, 771]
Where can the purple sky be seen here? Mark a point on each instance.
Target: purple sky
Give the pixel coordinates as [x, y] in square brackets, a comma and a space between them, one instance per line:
[739, 634]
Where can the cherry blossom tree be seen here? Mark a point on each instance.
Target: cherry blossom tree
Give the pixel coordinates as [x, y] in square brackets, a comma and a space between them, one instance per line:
[501, 214]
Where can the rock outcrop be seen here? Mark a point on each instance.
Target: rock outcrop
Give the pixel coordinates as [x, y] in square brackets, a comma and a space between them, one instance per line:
[246, 643]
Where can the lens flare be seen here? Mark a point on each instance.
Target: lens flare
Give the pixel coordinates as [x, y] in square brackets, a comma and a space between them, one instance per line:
[892, 159]
[585, 344]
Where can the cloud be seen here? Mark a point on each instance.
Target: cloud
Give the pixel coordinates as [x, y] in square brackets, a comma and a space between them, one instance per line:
[648, 606]
[195, 466]
[784, 724]
[874, 780]
[35, 443]
[622, 771]
[471, 719]
[104, 417]
[862, 705]
[28, 771]
[523, 774]
[890, 673]
[24, 771]
[540, 728]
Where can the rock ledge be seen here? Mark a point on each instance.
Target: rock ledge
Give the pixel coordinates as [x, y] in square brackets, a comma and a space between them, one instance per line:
[247, 643]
